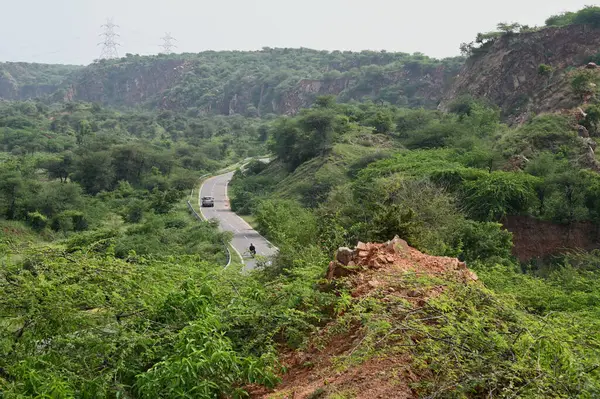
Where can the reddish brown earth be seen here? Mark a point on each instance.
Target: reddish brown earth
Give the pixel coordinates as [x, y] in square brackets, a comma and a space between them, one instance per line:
[370, 268]
[538, 239]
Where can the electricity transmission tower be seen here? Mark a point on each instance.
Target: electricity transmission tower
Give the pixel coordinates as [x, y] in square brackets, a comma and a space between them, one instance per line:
[168, 45]
[109, 45]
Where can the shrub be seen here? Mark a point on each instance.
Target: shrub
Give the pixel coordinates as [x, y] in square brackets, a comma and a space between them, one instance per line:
[254, 167]
[584, 82]
[364, 161]
[79, 220]
[560, 19]
[286, 221]
[37, 220]
[135, 211]
[61, 223]
[499, 194]
[69, 221]
[435, 135]
[589, 15]
[543, 133]
[592, 118]
[482, 241]
[545, 70]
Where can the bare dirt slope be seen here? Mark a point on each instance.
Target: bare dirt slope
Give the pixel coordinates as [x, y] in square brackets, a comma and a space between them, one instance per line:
[508, 75]
[327, 369]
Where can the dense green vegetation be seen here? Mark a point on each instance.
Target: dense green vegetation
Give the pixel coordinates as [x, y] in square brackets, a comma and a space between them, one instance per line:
[588, 16]
[491, 170]
[112, 289]
[445, 183]
[97, 249]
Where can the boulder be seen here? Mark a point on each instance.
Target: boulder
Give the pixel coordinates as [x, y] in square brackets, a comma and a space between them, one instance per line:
[591, 65]
[398, 246]
[344, 255]
[582, 131]
[337, 270]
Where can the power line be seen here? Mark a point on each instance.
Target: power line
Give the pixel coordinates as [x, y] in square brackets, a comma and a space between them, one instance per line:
[109, 45]
[168, 45]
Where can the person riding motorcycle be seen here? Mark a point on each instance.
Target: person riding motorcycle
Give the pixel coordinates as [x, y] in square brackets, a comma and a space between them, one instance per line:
[252, 249]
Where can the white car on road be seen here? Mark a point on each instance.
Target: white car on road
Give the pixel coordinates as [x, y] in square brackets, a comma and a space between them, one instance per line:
[208, 202]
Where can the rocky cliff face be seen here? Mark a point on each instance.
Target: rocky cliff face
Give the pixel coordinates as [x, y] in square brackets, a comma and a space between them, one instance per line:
[508, 73]
[22, 81]
[164, 84]
[405, 88]
[127, 83]
[10, 89]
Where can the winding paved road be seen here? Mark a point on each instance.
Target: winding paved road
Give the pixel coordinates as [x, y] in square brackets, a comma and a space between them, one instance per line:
[243, 234]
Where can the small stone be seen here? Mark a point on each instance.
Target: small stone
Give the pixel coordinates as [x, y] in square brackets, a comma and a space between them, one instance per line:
[373, 283]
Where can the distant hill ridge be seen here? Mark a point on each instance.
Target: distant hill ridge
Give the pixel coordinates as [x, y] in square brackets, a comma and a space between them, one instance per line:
[277, 81]
[523, 73]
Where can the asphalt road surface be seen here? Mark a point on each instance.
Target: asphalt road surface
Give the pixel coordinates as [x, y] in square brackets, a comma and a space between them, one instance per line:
[243, 234]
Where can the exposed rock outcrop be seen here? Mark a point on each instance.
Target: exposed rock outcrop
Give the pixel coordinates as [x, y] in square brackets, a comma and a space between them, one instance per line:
[396, 255]
[508, 74]
[22, 81]
[556, 239]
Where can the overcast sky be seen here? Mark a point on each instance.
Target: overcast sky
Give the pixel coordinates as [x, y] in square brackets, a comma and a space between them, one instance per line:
[67, 31]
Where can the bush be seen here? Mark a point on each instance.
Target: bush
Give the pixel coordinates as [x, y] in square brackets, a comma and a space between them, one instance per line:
[543, 133]
[499, 194]
[584, 82]
[286, 222]
[37, 221]
[589, 15]
[69, 221]
[435, 135]
[242, 202]
[560, 19]
[483, 241]
[364, 161]
[592, 118]
[545, 70]
[135, 211]
[254, 167]
[61, 223]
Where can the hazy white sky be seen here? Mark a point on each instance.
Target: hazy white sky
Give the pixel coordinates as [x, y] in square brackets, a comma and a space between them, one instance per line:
[67, 31]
